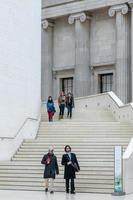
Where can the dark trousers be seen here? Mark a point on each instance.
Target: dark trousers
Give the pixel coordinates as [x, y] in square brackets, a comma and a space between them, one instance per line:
[72, 185]
[69, 111]
[62, 108]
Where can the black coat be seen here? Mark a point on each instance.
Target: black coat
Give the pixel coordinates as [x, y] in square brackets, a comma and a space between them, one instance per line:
[50, 169]
[69, 171]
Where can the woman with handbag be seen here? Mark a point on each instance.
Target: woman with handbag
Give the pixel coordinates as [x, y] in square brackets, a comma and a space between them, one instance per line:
[71, 165]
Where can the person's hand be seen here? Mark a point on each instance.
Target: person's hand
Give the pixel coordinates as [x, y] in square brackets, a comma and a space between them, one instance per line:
[69, 163]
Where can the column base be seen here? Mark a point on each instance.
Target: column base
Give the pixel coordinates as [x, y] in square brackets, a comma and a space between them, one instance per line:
[118, 193]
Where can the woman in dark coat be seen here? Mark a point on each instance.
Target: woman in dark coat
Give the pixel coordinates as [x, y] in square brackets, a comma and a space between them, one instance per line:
[69, 104]
[70, 162]
[51, 169]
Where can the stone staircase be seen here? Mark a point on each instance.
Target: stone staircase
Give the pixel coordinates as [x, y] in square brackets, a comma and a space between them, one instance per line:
[92, 135]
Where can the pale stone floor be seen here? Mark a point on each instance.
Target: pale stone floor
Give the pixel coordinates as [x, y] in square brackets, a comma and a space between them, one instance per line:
[22, 195]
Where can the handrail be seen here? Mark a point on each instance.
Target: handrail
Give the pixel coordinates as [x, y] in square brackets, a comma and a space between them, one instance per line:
[25, 121]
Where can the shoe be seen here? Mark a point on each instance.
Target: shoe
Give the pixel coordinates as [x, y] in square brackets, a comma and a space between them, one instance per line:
[67, 191]
[72, 192]
[46, 189]
[51, 192]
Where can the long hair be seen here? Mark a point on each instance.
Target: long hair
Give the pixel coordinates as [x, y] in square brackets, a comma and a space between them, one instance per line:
[66, 147]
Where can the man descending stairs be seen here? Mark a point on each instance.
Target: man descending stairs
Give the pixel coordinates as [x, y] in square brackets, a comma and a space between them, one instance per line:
[92, 135]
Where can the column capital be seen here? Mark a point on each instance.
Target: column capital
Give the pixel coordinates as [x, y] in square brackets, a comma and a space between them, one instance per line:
[130, 3]
[123, 8]
[46, 24]
[78, 16]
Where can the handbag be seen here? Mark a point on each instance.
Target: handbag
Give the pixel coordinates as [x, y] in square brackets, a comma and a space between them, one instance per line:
[75, 167]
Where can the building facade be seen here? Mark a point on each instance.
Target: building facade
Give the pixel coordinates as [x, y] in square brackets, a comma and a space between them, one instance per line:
[87, 47]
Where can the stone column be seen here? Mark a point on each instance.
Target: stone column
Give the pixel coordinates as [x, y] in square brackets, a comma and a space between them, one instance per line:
[47, 59]
[82, 71]
[122, 62]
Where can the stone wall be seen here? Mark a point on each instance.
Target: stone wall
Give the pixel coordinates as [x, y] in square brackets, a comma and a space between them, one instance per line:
[64, 44]
[20, 63]
[102, 38]
[102, 48]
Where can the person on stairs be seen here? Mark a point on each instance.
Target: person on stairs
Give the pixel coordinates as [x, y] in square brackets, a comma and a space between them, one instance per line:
[62, 104]
[69, 104]
[50, 108]
[51, 169]
[71, 165]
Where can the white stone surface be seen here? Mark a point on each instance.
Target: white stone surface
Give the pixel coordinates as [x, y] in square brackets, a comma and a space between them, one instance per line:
[64, 44]
[20, 64]
[102, 39]
[21, 195]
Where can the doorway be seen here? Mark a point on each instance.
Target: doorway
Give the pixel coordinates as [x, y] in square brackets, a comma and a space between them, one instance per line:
[67, 85]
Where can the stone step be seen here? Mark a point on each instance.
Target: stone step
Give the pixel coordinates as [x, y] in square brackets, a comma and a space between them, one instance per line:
[39, 173]
[21, 169]
[80, 141]
[82, 164]
[57, 189]
[95, 125]
[39, 184]
[78, 119]
[40, 145]
[59, 155]
[86, 132]
[81, 175]
[59, 179]
[82, 135]
[84, 170]
[38, 158]
[83, 123]
[85, 159]
[59, 151]
[88, 124]
[60, 148]
[79, 154]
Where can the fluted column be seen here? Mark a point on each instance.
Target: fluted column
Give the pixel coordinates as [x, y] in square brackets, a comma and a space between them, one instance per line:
[122, 63]
[82, 73]
[47, 59]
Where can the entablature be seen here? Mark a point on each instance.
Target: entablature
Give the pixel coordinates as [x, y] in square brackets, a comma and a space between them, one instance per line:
[53, 3]
[78, 6]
